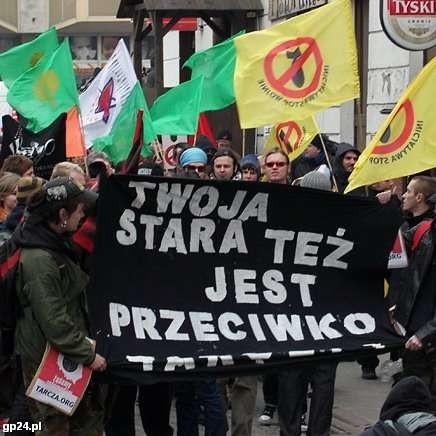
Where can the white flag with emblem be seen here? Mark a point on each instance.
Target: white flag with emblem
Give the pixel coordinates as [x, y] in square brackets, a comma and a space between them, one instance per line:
[101, 103]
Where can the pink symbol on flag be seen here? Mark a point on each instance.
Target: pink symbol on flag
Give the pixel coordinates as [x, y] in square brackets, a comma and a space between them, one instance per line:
[104, 101]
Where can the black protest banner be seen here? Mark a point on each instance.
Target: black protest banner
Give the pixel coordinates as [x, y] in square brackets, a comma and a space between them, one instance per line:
[46, 148]
[197, 276]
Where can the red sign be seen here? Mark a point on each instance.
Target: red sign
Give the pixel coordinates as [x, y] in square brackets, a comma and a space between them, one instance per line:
[288, 136]
[290, 82]
[189, 24]
[170, 155]
[402, 122]
[412, 7]
[59, 382]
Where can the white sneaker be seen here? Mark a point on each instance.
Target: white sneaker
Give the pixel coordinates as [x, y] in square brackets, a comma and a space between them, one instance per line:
[267, 415]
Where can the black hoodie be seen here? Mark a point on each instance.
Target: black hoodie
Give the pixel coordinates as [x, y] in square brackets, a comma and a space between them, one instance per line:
[409, 396]
[339, 172]
[33, 233]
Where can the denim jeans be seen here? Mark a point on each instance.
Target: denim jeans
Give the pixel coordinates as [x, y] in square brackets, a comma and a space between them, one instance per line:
[190, 396]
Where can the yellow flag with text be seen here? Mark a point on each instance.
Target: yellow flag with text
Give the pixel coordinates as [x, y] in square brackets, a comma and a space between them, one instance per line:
[406, 142]
[292, 136]
[296, 68]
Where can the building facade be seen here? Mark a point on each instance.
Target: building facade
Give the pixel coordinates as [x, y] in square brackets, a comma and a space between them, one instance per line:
[93, 31]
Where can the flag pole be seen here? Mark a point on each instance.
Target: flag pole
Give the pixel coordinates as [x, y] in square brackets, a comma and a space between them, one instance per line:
[243, 142]
[157, 150]
[361, 140]
[327, 158]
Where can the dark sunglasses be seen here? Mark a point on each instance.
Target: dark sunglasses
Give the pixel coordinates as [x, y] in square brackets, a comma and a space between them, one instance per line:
[277, 164]
[199, 168]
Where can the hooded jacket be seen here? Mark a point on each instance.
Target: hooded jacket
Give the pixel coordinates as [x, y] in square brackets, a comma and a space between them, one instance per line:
[406, 411]
[339, 172]
[52, 296]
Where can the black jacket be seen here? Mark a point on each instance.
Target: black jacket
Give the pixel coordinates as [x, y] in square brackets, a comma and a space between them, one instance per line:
[407, 410]
[411, 288]
[339, 172]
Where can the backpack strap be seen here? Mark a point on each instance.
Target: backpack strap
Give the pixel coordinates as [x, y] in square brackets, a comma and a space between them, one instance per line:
[421, 229]
[10, 263]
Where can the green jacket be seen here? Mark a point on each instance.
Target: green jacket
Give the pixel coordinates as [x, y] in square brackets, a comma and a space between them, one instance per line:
[54, 307]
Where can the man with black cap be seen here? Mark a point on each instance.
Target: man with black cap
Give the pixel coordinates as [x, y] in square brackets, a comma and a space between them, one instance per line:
[51, 291]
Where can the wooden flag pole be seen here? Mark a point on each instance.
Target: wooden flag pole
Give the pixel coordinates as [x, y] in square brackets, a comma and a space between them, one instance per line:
[327, 158]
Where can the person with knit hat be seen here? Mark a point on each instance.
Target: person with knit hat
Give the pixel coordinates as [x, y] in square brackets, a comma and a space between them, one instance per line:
[321, 375]
[250, 168]
[193, 162]
[244, 388]
[313, 157]
[316, 180]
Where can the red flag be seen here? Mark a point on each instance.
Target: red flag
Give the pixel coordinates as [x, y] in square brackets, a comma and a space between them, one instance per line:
[204, 128]
[74, 141]
[130, 166]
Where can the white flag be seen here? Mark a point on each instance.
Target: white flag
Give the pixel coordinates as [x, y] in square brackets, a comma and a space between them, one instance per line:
[101, 103]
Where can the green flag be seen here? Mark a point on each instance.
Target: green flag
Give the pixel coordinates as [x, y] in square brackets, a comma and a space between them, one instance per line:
[17, 60]
[45, 91]
[176, 112]
[217, 66]
[119, 142]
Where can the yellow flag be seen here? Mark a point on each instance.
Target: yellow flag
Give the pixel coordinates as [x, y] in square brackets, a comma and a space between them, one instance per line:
[293, 136]
[406, 142]
[296, 68]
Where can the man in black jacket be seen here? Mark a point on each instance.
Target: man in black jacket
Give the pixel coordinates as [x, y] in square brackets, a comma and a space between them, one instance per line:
[412, 289]
[345, 158]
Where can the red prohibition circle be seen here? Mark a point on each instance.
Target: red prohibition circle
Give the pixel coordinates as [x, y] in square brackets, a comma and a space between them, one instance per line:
[288, 128]
[399, 141]
[169, 155]
[278, 83]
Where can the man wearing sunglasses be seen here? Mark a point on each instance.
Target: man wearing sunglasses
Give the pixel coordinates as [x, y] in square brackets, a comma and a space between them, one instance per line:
[193, 162]
[204, 393]
[276, 166]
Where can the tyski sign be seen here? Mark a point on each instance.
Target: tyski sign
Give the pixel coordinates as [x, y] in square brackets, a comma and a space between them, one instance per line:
[410, 24]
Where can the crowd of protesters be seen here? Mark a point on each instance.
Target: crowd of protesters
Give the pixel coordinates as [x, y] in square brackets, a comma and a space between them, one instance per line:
[54, 224]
